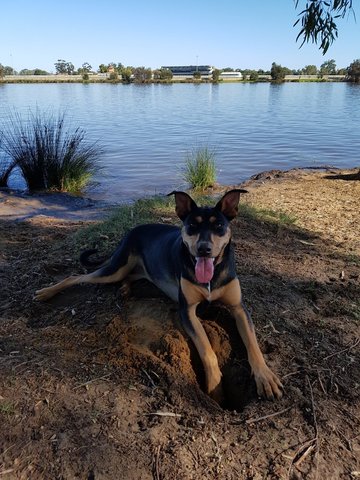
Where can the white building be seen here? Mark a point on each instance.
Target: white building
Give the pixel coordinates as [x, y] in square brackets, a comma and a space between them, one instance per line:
[230, 75]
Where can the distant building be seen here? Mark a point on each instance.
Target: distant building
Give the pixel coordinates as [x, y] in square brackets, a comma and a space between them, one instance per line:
[230, 75]
[189, 70]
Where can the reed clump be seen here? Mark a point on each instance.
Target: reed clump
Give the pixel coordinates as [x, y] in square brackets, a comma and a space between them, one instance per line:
[6, 167]
[50, 153]
[200, 168]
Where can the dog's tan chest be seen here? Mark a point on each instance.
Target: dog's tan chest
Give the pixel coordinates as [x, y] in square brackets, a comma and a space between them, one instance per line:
[230, 294]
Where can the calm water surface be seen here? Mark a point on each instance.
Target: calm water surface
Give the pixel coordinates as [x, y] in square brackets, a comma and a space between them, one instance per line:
[146, 130]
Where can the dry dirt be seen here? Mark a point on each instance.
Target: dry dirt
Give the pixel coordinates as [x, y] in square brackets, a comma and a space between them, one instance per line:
[95, 386]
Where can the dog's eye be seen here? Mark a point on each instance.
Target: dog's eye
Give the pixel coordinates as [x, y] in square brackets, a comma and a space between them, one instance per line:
[219, 226]
[192, 228]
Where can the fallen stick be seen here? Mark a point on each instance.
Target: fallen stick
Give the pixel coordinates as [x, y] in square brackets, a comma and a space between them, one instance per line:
[254, 420]
[91, 381]
[165, 414]
[343, 351]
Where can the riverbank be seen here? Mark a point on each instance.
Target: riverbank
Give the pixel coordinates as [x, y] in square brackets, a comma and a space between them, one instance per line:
[94, 383]
[20, 206]
[105, 78]
[321, 201]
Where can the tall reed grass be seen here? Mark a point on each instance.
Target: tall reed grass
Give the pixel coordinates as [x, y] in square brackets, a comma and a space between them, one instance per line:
[200, 168]
[51, 154]
[6, 167]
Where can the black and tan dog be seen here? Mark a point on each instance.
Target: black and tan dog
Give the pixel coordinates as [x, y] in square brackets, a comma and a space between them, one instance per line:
[191, 265]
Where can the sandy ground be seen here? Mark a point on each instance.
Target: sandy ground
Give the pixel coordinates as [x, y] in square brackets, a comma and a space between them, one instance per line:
[21, 206]
[97, 386]
[326, 203]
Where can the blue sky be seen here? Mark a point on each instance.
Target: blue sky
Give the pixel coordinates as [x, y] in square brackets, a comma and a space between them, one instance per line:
[222, 33]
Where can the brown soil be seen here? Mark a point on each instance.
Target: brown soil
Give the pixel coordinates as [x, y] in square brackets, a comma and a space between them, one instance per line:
[97, 386]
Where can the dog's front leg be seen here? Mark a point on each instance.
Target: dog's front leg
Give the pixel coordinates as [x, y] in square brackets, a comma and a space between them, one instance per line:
[193, 327]
[267, 383]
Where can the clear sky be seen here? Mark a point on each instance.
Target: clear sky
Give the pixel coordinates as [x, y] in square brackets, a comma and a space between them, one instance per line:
[222, 33]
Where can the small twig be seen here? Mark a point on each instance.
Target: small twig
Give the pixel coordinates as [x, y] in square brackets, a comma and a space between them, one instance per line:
[96, 351]
[156, 462]
[149, 378]
[91, 381]
[272, 327]
[315, 426]
[348, 442]
[343, 351]
[25, 363]
[5, 472]
[254, 420]
[300, 452]
[321, 384]
[217, 454]
[313, 406]
[304, 450]
[165, 414]
[302, 457]
[290, 374]
[7, 449]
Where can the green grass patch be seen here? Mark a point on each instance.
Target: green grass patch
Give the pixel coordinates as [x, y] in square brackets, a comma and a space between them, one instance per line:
[106, 235]
[355, 311]
[200, 168]
[159, 209]
[353, 259]
[7, 408]
[265, 214]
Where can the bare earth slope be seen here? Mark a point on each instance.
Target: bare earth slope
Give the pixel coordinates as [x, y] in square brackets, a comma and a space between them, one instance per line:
[97, 386]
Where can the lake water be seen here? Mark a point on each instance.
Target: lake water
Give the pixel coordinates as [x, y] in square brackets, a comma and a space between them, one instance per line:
[146, 130]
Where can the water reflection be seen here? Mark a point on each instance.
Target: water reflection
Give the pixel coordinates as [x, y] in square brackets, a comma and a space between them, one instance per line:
[146, 130]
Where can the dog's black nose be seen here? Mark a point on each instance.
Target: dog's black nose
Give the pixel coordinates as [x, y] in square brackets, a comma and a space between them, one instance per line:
[204, 249]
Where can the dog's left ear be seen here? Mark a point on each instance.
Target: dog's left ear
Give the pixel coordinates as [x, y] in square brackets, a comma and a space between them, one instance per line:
[228, 205]
[183, 204]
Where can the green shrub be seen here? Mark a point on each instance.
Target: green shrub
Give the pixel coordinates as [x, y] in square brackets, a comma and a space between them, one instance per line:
[254, 76]
[50, 153]
[200, 168]
[114, 77]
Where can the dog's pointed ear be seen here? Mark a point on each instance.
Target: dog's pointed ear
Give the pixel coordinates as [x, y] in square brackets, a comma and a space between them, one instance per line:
[228, 205]
[184, 204]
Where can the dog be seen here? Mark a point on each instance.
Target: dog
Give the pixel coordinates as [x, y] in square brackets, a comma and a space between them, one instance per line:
[190, 265]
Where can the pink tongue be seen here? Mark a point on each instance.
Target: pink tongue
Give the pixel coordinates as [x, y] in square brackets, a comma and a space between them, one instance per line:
[204, 269]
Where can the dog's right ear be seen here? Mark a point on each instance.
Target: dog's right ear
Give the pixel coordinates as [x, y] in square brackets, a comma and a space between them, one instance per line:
[184, 204]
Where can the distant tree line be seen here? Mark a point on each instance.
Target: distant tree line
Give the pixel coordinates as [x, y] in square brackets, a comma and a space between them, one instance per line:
[117, 71]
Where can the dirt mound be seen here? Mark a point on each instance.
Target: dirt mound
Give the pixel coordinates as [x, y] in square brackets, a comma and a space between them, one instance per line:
[98, 386]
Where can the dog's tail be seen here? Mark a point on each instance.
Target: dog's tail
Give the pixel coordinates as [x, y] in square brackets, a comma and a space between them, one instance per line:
[85, 262]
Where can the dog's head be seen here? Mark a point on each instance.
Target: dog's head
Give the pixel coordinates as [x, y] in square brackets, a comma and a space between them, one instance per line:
[206, 230]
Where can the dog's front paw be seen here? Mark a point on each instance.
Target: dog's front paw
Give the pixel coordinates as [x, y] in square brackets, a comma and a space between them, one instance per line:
[268, 383]
[213, 383]
[44, 294]
[217, 394]
[125, 289]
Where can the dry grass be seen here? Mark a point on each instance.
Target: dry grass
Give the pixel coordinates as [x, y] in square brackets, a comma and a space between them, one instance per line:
[319, 202]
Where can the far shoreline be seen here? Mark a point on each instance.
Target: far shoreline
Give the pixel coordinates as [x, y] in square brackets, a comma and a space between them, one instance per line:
[105, 79]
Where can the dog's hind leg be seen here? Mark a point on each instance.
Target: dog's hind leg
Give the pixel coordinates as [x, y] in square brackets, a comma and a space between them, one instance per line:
[114, 272]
